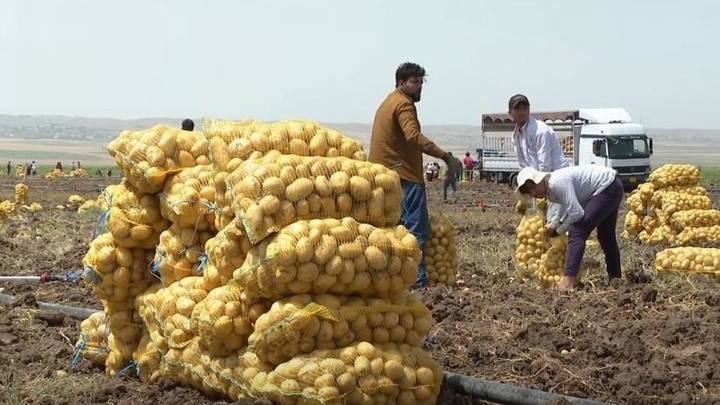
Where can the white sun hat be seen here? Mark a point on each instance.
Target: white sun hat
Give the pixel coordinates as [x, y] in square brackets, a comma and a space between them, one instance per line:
[526, 174]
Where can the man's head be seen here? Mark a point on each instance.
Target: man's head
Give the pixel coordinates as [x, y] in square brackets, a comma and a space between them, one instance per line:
[531, 183]
[409, 78]
[519, 108]
[467, 154]
[188, 125]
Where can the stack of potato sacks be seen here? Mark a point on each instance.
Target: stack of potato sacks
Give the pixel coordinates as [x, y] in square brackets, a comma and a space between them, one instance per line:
[672, 208]
[264, 260]
[535, 255]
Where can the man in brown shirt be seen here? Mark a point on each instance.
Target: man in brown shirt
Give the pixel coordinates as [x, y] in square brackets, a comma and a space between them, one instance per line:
[397, 143]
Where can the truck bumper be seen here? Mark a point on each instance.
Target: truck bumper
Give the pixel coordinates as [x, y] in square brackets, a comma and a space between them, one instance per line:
[633, 180]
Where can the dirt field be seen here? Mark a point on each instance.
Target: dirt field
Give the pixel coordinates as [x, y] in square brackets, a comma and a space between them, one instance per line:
[645, 340]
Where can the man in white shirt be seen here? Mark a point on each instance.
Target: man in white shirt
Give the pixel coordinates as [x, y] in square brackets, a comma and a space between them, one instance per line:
[590, 197]
[535, 143]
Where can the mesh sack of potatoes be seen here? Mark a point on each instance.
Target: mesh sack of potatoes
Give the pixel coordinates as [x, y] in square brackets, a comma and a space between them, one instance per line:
[675, 175]
[7, 209]
[635, 203]
[93, 341]
[659, 235]
[117, 274]
[239, 369]
[633, 223]
[78, 173]
[89, 206]
[208, 123]
[230, 145]
[441, 259]
[276, 190]
[225, 252]
[188, 199]
[530, 243]
[180, 254]
[646, 191]
[132, 218]
[148, 359]
[190, 365]
[225, 319]
[125, 332]
[690, 259]
[358, 374]
[673, 202]
[656, 199]
[703, 236]
[173, 306]
[146, 158]
[304, 323]
[145, 305]
[695, 218]
[21, 193]
[34, 207]
[552, 262]
[341, 257]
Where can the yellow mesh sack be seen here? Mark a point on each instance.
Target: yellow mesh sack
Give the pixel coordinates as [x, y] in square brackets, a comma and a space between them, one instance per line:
[358, 374]
[21, 194]
[132, 218]
[335, 256]
[656, 200]
[675, 175]
[441, 259]
[145, 304]
[188, 199]
[695, 218]
[276, 190]
[148, 157]
[635, 204]
[116, 274]
[93, 341]
[530, 243]
[232, 143]
[125, 332]
[173, 307]
[303, 323]
[148, 360]
[633, 224]
[225, 252]
[180, 254]
[673, 202]
[552, 262]
[689, 259]
[190, 365]
[708, 236]
[225, 319]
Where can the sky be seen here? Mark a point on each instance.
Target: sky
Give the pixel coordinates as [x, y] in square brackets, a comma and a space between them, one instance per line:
[334, 61]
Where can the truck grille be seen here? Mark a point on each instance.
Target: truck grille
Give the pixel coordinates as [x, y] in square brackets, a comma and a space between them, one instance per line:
[632, 169]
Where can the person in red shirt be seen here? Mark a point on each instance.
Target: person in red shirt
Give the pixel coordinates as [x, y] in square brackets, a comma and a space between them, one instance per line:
[469, 163]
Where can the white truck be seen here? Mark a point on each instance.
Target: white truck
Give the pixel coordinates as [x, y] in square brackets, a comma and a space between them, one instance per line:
[602, 136]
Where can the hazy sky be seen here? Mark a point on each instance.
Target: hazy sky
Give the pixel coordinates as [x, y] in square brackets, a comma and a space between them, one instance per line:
[334, 61]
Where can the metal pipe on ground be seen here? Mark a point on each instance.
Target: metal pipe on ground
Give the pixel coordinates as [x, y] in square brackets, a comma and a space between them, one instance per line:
[507, 394]
[73, 312]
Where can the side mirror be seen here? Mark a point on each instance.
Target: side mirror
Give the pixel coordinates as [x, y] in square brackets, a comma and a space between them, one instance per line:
[599, 148]
[651, 146]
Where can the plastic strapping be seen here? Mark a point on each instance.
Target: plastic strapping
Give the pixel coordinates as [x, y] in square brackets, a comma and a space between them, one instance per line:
[100, 226]
[123, 372]
[92, 275]
[201, 264]
[73, 277]
[76, 355]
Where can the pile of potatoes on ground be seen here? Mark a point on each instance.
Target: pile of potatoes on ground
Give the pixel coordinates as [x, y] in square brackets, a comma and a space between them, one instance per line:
[261, 260]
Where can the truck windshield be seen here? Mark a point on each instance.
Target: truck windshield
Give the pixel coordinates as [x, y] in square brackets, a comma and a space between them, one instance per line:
[627, 148]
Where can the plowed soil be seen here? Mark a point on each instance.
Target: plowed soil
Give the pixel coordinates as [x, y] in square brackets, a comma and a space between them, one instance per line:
[646, 339]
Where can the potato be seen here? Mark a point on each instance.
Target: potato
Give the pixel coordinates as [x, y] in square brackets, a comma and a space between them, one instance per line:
[316, 187]
[225, 252]
[303, 323]
[148, 358]
[695, 218]
[225, 319]
[441, 259]
[93, 341]
[342, 257]
[359, 373]
[691, 259]
[530, 244]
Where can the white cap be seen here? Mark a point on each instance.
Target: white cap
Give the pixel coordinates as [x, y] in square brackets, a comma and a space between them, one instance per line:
[529, 173]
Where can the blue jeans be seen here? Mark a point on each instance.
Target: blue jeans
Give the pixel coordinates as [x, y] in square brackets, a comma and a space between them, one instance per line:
[416, 219]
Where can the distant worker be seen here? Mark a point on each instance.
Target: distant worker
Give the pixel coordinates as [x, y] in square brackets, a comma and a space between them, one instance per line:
[72, 166]
[28, 169]
[429, 171]
[78, 164]
[450, 179]
[469, 164]
[33, 168]
[589, 197]
[188, 125]
[98, 173]
[9, 167]
[398, 143]
[109, 172]
[58, 166]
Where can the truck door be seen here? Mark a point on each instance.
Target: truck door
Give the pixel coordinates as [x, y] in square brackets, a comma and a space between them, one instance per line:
[600, 152]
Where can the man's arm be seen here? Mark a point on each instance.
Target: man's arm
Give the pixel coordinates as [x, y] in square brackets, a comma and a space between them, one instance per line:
[545, 149]
[574, 211]
[407, 117]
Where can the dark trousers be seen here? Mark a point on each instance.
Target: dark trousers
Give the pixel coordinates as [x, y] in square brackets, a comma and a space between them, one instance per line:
[601, 213]
[449, 181]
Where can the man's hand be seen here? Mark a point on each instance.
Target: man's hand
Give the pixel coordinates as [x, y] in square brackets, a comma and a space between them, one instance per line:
[551, 233]
[453, 163]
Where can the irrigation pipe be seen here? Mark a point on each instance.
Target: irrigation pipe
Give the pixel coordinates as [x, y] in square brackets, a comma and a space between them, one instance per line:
[506, 394]
[73, 312]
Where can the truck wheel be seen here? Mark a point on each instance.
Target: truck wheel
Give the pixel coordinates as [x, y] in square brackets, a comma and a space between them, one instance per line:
[513, 181]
